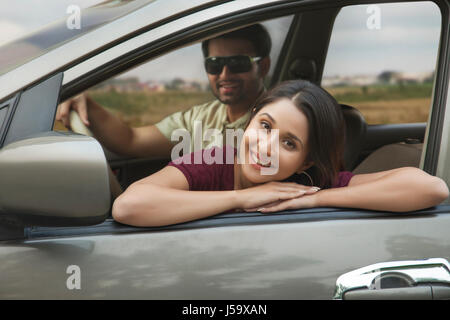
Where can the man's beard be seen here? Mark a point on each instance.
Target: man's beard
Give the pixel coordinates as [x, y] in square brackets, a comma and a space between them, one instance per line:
[238, 97]
[230, 100]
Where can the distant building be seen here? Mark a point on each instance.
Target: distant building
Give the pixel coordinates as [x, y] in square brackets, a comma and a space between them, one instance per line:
[133, 84]
[357, 80]
[154, 86]
[387, 77]
[413, 77]
[333, 81]
[363, 80]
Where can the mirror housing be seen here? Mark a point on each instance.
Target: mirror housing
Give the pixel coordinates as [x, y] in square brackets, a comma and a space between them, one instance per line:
[54, 179]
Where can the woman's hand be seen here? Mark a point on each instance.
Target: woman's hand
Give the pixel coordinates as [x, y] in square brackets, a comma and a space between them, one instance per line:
[254, 198]
[307, 201]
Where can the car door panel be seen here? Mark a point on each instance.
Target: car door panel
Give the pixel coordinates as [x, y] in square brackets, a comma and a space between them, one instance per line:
[298, 260]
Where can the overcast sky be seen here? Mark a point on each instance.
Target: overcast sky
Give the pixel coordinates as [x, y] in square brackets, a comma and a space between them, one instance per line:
[407, 39]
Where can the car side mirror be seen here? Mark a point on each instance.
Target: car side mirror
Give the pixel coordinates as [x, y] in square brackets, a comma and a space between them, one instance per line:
[54, 179]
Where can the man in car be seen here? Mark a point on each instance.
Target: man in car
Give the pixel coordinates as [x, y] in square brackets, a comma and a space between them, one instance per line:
[236, 64]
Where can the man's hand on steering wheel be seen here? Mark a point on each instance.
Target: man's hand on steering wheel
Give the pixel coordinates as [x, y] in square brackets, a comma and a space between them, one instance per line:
[80, 104]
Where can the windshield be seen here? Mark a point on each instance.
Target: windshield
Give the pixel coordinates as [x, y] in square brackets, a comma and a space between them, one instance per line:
[16, 53]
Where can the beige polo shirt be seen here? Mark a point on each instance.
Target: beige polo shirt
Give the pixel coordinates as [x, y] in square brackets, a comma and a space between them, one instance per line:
[207, 125]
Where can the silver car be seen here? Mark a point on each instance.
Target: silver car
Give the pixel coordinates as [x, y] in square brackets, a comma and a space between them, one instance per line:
[57, 237]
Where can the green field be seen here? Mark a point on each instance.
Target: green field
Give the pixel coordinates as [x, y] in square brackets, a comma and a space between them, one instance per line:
[347, 94]
[140, 108]
[382, 104]
[379, 104]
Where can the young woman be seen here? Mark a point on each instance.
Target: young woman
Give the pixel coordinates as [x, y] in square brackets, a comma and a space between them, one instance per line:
[295, 164]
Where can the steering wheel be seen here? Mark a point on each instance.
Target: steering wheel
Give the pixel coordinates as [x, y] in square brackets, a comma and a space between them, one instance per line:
[79, 127]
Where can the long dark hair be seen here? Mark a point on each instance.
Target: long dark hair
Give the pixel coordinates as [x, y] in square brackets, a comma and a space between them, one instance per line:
[326, 129]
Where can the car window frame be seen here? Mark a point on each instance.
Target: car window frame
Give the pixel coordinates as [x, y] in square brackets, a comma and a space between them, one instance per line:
[435, 124]
[243, 219]
[109, 226]
[7, 108]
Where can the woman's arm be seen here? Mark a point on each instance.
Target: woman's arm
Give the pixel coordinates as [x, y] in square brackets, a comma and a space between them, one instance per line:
[398, 190]
[164, 198]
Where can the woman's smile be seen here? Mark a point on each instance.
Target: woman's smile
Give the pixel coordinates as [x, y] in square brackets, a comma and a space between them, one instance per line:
[257, 163]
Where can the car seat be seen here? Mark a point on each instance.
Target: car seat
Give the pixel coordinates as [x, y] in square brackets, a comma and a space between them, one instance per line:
[392, 156]
[355, 133]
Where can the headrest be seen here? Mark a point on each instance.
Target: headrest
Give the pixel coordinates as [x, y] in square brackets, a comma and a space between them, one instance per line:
[355, 133]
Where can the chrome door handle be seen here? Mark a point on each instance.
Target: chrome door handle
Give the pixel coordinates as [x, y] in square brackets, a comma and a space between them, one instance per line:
[418, 279]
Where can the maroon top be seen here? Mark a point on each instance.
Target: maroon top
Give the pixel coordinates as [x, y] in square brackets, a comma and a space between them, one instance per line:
[202, 176]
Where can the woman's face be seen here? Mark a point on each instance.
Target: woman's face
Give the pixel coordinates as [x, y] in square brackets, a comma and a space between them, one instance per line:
[275, 143]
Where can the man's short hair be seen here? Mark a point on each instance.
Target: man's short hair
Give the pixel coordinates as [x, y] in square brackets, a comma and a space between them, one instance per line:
[257, 34]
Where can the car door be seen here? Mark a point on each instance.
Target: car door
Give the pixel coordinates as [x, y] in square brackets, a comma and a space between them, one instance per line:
[298, 254]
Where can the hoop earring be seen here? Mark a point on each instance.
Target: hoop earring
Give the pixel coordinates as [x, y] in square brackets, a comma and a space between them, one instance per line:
[309, 177]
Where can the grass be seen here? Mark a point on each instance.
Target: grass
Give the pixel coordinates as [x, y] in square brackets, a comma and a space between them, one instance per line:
[381, 92]
[380, 104]
[395, 111]
[140, 108]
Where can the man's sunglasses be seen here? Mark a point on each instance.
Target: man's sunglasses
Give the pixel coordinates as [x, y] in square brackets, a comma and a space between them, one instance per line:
[236, 64]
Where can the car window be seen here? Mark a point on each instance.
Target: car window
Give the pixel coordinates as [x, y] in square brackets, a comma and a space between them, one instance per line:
[173, 82]
[381, 60]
